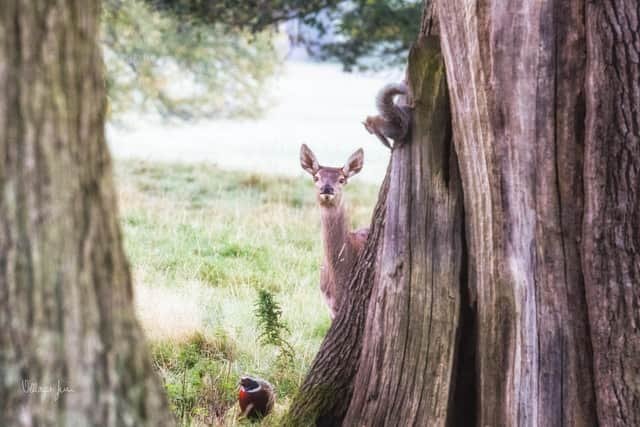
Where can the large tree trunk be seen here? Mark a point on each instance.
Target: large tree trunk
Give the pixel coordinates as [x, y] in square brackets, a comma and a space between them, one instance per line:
[546, 102]
[516, 73]
[611, 226]
[387, 353]
[407, 363]
[545, 110]
[66, 313]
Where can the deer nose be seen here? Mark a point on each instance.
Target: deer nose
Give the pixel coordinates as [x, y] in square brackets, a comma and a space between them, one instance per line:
[326, 189]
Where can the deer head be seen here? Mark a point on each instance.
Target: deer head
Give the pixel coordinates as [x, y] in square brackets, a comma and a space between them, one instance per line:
[330, 181]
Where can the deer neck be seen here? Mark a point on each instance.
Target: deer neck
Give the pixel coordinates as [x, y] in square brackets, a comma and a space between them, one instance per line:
[335, 234]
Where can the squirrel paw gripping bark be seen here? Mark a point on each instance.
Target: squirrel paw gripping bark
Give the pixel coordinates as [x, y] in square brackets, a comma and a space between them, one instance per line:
[393, 122]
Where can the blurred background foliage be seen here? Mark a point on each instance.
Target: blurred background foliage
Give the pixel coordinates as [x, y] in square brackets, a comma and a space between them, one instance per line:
[183, 68]
[360, 34]
[368, 34]
[224, 50]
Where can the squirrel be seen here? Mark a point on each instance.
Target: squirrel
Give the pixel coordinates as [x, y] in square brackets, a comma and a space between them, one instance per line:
[394, 120]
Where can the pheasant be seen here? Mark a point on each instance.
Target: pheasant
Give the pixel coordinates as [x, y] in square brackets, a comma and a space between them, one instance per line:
[256, 397]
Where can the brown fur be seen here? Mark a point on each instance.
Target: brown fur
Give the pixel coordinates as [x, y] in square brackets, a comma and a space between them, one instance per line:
[341, 247]
[394, 120]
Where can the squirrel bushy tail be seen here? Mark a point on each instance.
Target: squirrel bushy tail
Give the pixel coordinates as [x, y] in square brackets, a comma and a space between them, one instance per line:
[394, 120]
[385, 104]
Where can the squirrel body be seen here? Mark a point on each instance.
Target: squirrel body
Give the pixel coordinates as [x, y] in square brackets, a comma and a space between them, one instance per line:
[393, 122]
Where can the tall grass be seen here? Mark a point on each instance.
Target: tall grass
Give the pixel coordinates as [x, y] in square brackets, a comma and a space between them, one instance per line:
[202, 242]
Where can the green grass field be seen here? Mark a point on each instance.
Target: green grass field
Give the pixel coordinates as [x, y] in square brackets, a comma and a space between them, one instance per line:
[202, 241]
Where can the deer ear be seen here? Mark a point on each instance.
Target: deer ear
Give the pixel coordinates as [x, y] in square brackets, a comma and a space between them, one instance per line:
[354, 164]
[308, 160]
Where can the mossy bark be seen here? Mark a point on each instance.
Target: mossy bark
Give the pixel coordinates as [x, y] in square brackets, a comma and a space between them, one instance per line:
[407, 364]
[71, 350]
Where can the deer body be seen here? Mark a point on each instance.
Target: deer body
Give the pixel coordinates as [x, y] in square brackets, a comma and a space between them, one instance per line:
[341, 246]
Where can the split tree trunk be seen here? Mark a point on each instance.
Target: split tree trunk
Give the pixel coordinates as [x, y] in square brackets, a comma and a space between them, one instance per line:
[545, 110]
[516, 73]
[387, 353]
[407, 361]
[66, 315]
[546, 107]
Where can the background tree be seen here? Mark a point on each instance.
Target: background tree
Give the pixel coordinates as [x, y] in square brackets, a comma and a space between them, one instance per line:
[531, 319]
[66, 312]
[366, 33]
[183, 68]
[190, 59]
[371, 34]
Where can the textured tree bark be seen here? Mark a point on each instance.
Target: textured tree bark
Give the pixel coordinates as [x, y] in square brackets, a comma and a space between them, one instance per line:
[407, 363]
[516, 75]
[611, 227]
[71, 350]
[545, 112]
[545, 101]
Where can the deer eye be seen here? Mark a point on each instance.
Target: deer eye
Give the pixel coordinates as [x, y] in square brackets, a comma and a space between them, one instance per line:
[341, 180]
[315, 178]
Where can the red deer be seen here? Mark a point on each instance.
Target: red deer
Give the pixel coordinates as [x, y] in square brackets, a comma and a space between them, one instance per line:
[341, 246]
